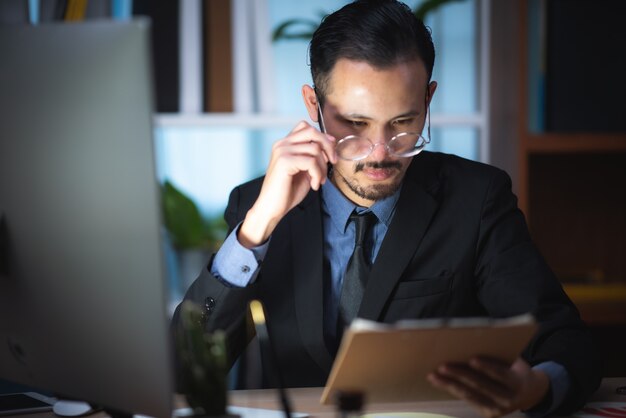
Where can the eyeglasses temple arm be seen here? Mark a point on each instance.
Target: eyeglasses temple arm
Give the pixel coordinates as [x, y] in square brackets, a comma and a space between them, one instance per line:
[320, 116]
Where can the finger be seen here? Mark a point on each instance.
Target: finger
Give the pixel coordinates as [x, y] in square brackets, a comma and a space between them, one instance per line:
[300, 126]
[309, 134]
[458, 390]
[322, 171]
[312, 151]
[287, 148]
[495, 369]
[499, 394]
[474, 378]
[290, 159]
[322, 163]
[313, 166]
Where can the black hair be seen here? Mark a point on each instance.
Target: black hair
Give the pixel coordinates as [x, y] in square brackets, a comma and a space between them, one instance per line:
[379, 32]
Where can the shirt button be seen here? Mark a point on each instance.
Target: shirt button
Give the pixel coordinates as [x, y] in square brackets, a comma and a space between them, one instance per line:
[245, 269]
[209, 304]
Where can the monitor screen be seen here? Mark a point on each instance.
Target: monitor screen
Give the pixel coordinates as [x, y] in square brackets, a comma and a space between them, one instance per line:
[82, 288]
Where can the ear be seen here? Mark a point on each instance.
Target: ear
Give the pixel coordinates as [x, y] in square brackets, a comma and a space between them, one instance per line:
[310, 101]
[432, 86]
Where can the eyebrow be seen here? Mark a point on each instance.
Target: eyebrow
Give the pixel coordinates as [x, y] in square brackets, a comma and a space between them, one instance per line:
[411, 113]
[354, 116]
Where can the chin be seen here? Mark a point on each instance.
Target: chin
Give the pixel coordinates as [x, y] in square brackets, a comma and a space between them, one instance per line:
[377, 191]
[368, 189]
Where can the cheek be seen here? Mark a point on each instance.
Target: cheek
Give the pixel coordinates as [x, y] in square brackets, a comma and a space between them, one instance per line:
[344, 167]
[338, 130]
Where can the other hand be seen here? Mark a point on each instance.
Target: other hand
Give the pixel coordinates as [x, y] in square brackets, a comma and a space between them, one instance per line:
[298, 164]
[491, 386]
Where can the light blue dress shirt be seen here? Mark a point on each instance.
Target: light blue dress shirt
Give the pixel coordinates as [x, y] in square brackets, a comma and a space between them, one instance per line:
[238, 266]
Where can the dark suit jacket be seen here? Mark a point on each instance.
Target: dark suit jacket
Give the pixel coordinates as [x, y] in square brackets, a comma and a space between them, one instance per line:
[457, 246]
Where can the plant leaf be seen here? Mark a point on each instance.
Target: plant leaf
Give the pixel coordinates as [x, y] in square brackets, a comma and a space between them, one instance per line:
[182, 218]
[430, 6]
[281, 31]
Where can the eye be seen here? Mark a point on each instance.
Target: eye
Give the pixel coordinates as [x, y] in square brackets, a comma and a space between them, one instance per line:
[403, 122]
[356, 123]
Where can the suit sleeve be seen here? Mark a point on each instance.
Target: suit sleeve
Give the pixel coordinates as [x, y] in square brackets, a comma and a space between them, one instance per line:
[224, 306]
[513, 278]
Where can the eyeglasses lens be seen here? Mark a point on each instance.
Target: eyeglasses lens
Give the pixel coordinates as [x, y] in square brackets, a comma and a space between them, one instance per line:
[405, 145]
[402, 145]
[353, 148]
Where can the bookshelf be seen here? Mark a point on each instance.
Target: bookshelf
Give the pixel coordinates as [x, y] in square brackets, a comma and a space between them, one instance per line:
[572, 189]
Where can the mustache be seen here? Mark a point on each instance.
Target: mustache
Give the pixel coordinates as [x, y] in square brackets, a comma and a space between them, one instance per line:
[378, 164]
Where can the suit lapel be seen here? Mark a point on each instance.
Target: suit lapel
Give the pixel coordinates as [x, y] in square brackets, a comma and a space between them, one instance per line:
[414, 211]
[307, 239]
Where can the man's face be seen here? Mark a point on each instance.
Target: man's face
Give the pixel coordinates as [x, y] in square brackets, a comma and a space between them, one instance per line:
[378, 104]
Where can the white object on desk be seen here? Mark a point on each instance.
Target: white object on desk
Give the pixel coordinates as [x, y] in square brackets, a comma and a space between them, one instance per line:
[72, 408]
[602, 409]
[245, 412]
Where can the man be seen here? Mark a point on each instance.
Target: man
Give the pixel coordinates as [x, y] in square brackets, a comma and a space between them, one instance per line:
[447, 237]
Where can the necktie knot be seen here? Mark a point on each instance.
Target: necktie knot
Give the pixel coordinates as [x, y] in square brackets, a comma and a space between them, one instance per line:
[362, 224]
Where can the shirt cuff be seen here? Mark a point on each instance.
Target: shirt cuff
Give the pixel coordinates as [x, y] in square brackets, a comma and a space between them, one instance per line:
[559, 386]
[235, 264]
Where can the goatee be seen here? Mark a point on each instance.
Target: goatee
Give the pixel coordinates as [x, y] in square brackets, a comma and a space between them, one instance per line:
[373, 192]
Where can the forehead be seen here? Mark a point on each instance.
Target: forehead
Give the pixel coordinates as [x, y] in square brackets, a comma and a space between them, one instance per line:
[357, 86]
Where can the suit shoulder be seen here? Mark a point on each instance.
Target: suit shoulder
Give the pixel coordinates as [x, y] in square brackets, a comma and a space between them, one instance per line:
[453, 167]
[252, 187]
[243, 197]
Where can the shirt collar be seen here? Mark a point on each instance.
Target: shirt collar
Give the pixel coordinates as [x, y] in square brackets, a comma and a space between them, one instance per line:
[339, 208]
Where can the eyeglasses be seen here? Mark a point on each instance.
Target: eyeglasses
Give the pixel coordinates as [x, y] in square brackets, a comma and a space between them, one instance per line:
[356, 147]
[405, 144]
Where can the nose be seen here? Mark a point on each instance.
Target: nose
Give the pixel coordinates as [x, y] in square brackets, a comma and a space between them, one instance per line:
[379, 153]
[379, 139]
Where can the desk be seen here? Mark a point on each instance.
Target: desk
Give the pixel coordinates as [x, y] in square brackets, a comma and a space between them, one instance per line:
[307, 400]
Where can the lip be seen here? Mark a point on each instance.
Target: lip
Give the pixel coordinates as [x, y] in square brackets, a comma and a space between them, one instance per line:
[379, 174]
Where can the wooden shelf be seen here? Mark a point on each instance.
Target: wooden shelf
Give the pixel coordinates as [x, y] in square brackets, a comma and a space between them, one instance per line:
[599, 304]
[574, 142]
[586, 293]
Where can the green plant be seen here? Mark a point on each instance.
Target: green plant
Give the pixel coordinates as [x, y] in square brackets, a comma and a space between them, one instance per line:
[286, 31]
[184, 223]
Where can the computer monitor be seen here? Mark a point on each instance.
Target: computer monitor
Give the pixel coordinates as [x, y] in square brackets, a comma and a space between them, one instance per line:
[82, 289]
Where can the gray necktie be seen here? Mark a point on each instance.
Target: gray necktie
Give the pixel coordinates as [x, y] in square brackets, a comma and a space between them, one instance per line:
[356, 273]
